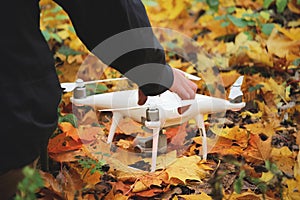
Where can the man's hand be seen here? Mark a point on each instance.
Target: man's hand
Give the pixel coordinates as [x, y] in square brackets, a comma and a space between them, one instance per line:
[182, 86]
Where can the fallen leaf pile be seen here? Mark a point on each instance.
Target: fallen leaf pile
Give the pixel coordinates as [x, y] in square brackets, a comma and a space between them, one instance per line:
[253, 153]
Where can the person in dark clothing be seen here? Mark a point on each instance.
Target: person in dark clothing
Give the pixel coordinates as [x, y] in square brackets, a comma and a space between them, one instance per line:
[29, 87]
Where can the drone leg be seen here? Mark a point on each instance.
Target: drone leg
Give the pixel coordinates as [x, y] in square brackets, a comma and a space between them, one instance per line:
[200, 124]
[115, 121]
[154, 148]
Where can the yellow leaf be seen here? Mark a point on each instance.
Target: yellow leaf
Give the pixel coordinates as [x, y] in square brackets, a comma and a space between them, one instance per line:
[294, 23]
[292, 33]
[242, 12]
[139, 187]
[175, 63]
[244, 196]
[260, 128]
[238, 134]
[63, 34]
[282, 46]
[125, 144]
[253, 116]
[201, 196]
[292, 191]
[120, 197]
[284, 159]
[267, 176]
[186, 168]
[275, 88]
[227, 3]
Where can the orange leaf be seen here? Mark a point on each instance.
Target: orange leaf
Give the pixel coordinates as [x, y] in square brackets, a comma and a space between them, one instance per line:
[69, 130]
[258, 151]
[62, 143]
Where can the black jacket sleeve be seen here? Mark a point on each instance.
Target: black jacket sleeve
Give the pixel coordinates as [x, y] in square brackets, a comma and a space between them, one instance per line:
[120, 34]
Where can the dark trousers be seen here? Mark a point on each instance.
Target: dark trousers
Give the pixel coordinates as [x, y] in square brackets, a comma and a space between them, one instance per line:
[9, 182]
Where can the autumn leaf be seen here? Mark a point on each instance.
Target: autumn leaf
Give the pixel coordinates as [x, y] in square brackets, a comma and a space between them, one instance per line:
[236, 134]
[282, 47]
[260, 128]
[201, 196]
[62, 143]
[225, 146]
[258, 150]
[69, 130]
[284, 159]
[186, 168]
[292, 191]
[245, 195]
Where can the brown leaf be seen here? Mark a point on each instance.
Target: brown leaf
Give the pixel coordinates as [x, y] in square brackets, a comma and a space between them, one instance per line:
[258, 151]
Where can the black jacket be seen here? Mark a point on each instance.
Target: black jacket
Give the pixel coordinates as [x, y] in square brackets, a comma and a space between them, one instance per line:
[29, 88]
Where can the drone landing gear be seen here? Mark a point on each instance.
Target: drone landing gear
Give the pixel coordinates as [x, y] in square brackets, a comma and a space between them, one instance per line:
[200, 125]
[115, 121]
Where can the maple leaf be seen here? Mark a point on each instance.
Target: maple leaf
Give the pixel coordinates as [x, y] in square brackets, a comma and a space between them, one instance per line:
[148, 180]
[261, 128]
[238, 135]
[186, 168]
[258, 151]
[284, 159]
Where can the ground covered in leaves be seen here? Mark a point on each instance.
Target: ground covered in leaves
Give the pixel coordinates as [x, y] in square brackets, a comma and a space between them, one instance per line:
[254, 152]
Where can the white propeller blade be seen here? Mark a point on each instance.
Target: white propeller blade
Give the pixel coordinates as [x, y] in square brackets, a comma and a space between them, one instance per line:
[122, 109]
[69, 87]
[191, 77]
[235, 90]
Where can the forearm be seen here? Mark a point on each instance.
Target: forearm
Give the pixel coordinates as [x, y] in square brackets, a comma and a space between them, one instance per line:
[107, 28]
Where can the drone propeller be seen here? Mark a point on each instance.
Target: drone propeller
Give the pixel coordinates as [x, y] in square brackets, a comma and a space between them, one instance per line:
[122, 109]
[70, 86]
[191, 77]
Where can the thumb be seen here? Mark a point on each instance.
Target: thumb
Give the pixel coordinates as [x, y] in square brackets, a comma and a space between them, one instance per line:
[142, 98]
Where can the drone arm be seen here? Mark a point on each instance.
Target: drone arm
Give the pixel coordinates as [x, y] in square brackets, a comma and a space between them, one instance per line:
[117, 116]
[200, 124]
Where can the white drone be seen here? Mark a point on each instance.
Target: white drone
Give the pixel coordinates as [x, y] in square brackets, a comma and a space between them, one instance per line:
[159, 111]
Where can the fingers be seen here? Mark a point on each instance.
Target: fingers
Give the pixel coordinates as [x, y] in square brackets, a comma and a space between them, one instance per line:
[185, 88]
[182, 86]
[142, 98]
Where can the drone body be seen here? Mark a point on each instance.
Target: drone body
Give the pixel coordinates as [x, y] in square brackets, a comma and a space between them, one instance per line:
[124, 104]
